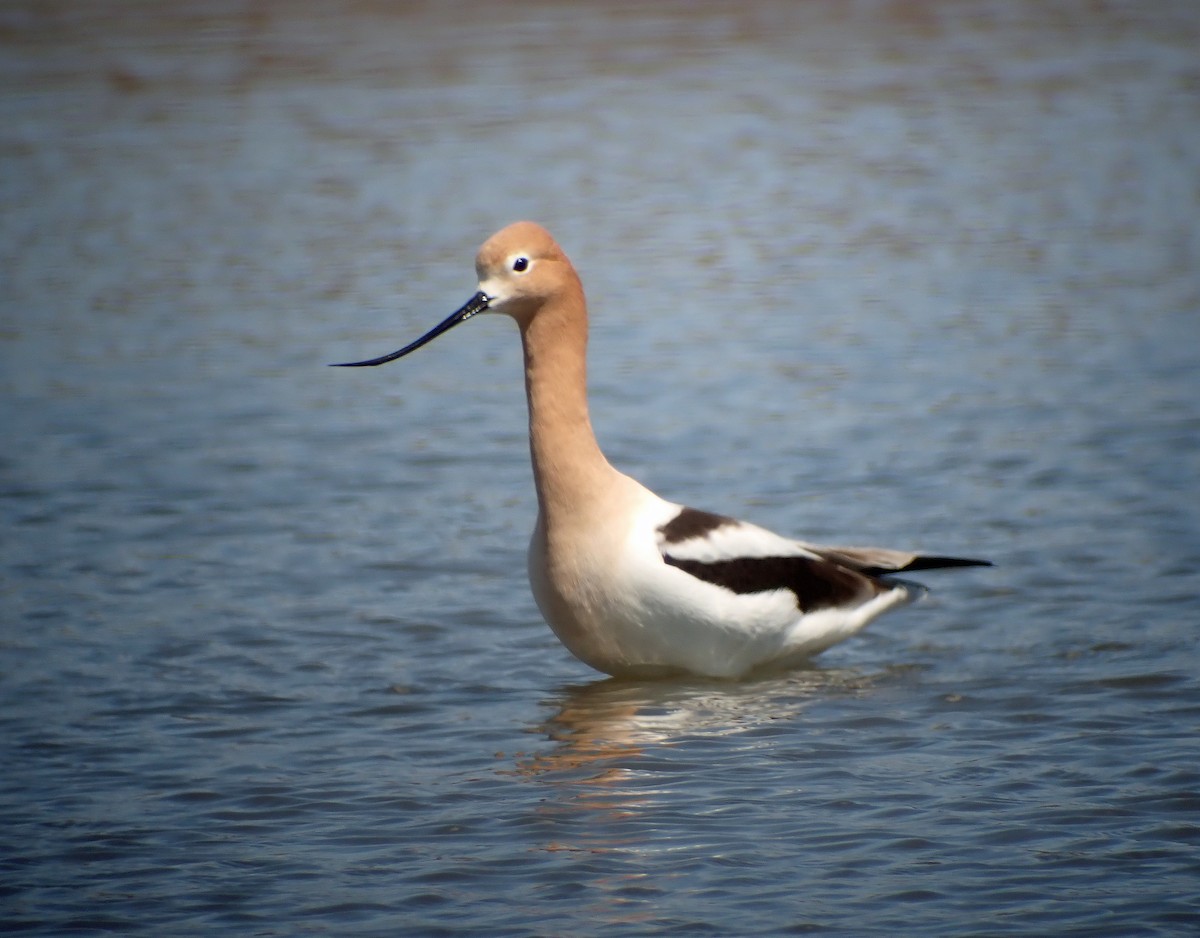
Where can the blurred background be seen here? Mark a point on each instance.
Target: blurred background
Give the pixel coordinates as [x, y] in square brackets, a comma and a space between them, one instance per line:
[922, 274]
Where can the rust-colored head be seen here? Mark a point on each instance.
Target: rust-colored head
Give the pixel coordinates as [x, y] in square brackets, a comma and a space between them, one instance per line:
[520, 268]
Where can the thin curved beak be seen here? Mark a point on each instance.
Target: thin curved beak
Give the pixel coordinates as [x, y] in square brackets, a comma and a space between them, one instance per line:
[476, 304]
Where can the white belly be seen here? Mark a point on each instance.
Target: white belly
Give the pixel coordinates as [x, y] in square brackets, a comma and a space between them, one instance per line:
[622, 610]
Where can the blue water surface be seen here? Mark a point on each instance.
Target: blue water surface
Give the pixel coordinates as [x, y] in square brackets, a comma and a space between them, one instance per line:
[921, 275]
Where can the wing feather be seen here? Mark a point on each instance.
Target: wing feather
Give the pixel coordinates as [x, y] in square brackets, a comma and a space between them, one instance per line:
[880, 561]
[745, 558]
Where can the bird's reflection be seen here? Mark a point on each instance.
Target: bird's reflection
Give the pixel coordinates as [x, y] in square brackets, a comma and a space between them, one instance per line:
[621, 748]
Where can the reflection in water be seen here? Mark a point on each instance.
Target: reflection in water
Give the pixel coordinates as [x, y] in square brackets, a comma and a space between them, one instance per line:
[617, 741]
[627, 754]
[622, 757]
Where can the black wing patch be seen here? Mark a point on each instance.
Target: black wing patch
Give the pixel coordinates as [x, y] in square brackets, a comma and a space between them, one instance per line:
[690, 523]
[816, 584]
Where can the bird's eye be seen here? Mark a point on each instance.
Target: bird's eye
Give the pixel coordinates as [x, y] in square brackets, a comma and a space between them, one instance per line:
[521, 264]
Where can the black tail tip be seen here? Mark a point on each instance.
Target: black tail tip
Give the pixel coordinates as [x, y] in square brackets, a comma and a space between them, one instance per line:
[941, 563]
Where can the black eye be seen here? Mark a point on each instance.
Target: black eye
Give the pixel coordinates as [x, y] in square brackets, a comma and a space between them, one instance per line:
[521, 264]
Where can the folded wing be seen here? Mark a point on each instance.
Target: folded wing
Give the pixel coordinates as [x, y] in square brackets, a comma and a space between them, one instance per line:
[744, 558]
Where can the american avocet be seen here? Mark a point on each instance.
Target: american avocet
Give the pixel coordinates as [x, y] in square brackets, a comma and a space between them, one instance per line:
[632, 584]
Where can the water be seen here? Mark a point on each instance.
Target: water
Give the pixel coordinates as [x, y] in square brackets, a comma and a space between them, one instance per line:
[922, 275]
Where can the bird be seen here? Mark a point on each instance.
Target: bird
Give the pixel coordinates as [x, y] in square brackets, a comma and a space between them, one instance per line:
[633, 585]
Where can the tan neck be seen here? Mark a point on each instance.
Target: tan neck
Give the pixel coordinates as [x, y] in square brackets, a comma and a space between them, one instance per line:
[571, 474]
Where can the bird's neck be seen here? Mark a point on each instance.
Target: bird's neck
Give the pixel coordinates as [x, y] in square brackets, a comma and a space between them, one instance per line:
[572, 477]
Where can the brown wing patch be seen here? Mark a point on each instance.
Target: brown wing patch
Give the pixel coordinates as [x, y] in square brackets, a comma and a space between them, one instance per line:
[690, 523]
[816, 584]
